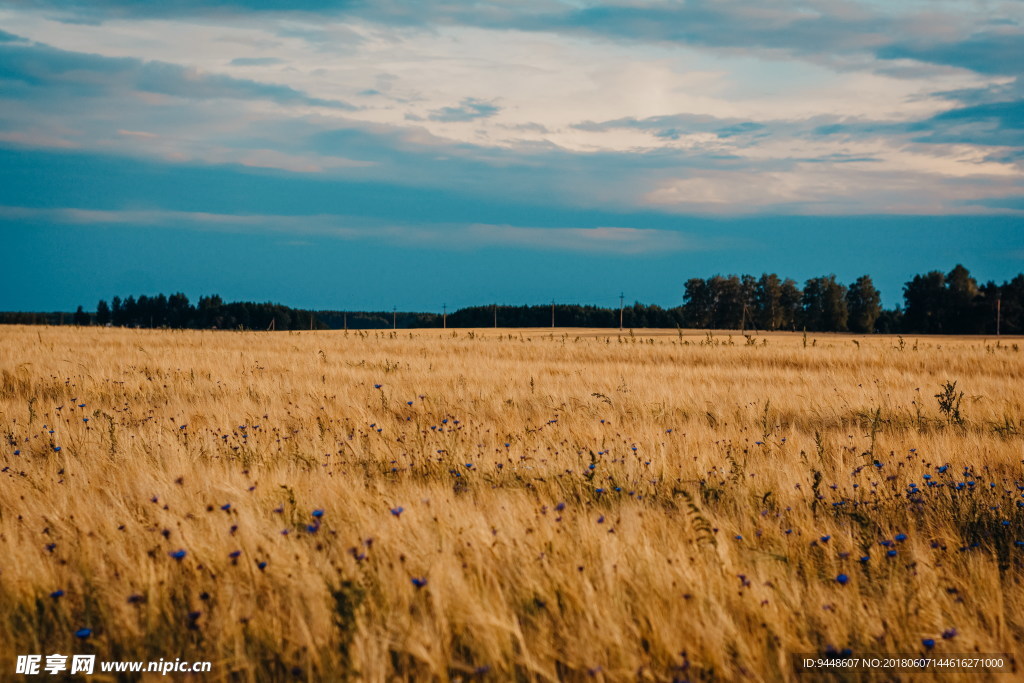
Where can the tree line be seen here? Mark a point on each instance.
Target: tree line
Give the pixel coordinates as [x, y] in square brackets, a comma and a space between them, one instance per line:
[933, 303]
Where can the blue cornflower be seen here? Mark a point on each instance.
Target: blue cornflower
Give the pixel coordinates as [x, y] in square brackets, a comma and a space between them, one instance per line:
[600, 520]
[949, 633]
[824, 539]
[234, 554]
[901, 537]
[261, 565]
[928, 643]
[318, 513]
[397, 512]
[83, 633]
[57, 594]
[560, 507]
[842, 579]
[943, 468]
[178, 554]
[891, 553]
[377, 386]
[419, 582]
[865, 558]
[225, 507]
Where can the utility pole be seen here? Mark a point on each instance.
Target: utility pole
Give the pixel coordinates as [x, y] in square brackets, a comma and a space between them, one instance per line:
[345, 317]
[622, 303]
[394, 317]
[495, 316]
[999, 312]
[552, 313]
[444, 316]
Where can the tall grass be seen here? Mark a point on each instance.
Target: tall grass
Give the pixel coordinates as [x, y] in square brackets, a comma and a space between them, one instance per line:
[528, 505]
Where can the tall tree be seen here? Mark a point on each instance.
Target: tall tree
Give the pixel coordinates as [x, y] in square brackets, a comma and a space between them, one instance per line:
[102, 313]
[824, 305]
[925, 298]
[81, 317]
[768, 313]
[698, 303]
[962, 313]
[865, 305]
[790, 300]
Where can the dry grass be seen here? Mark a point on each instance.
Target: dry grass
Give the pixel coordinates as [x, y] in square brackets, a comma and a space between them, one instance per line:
[481, 437]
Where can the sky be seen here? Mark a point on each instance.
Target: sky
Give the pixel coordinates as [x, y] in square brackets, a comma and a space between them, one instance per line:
[370, 154]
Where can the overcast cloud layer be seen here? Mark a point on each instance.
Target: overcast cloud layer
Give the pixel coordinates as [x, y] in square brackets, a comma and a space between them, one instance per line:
[625, 130]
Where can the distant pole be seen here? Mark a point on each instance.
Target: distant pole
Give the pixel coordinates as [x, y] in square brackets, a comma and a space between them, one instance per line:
[311, 320]
[999, 312]
[345, 316]
[394, 317]
[622, 304]
[495, 316]
[444, 315]
[552, 313]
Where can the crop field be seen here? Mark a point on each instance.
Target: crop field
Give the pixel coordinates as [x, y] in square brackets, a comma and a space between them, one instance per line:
[533, 505]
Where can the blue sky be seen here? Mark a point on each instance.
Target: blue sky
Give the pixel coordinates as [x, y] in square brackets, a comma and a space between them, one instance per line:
[359, 154]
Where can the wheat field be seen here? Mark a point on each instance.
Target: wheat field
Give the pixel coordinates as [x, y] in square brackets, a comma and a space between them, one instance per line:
[532, 505]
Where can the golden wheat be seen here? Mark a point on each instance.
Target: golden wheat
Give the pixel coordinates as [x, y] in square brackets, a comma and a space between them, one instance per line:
[636, 506]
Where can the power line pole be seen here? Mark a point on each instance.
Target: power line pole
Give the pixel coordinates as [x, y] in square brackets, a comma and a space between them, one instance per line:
[622, 303]
[444, 316]
[999, 312]
[552, 313]
[345, 315]
[495, 316]
[394, 317]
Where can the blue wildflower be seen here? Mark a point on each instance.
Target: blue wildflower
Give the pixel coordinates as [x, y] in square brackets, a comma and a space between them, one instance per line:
[928, 643]
[178, 554]
[419, 582]
[57, 594]
[842, 579]
[83, 633]
[397, 512]
[318, 513]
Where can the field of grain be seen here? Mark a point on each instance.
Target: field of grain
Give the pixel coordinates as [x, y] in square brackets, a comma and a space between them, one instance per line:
[495, 504]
